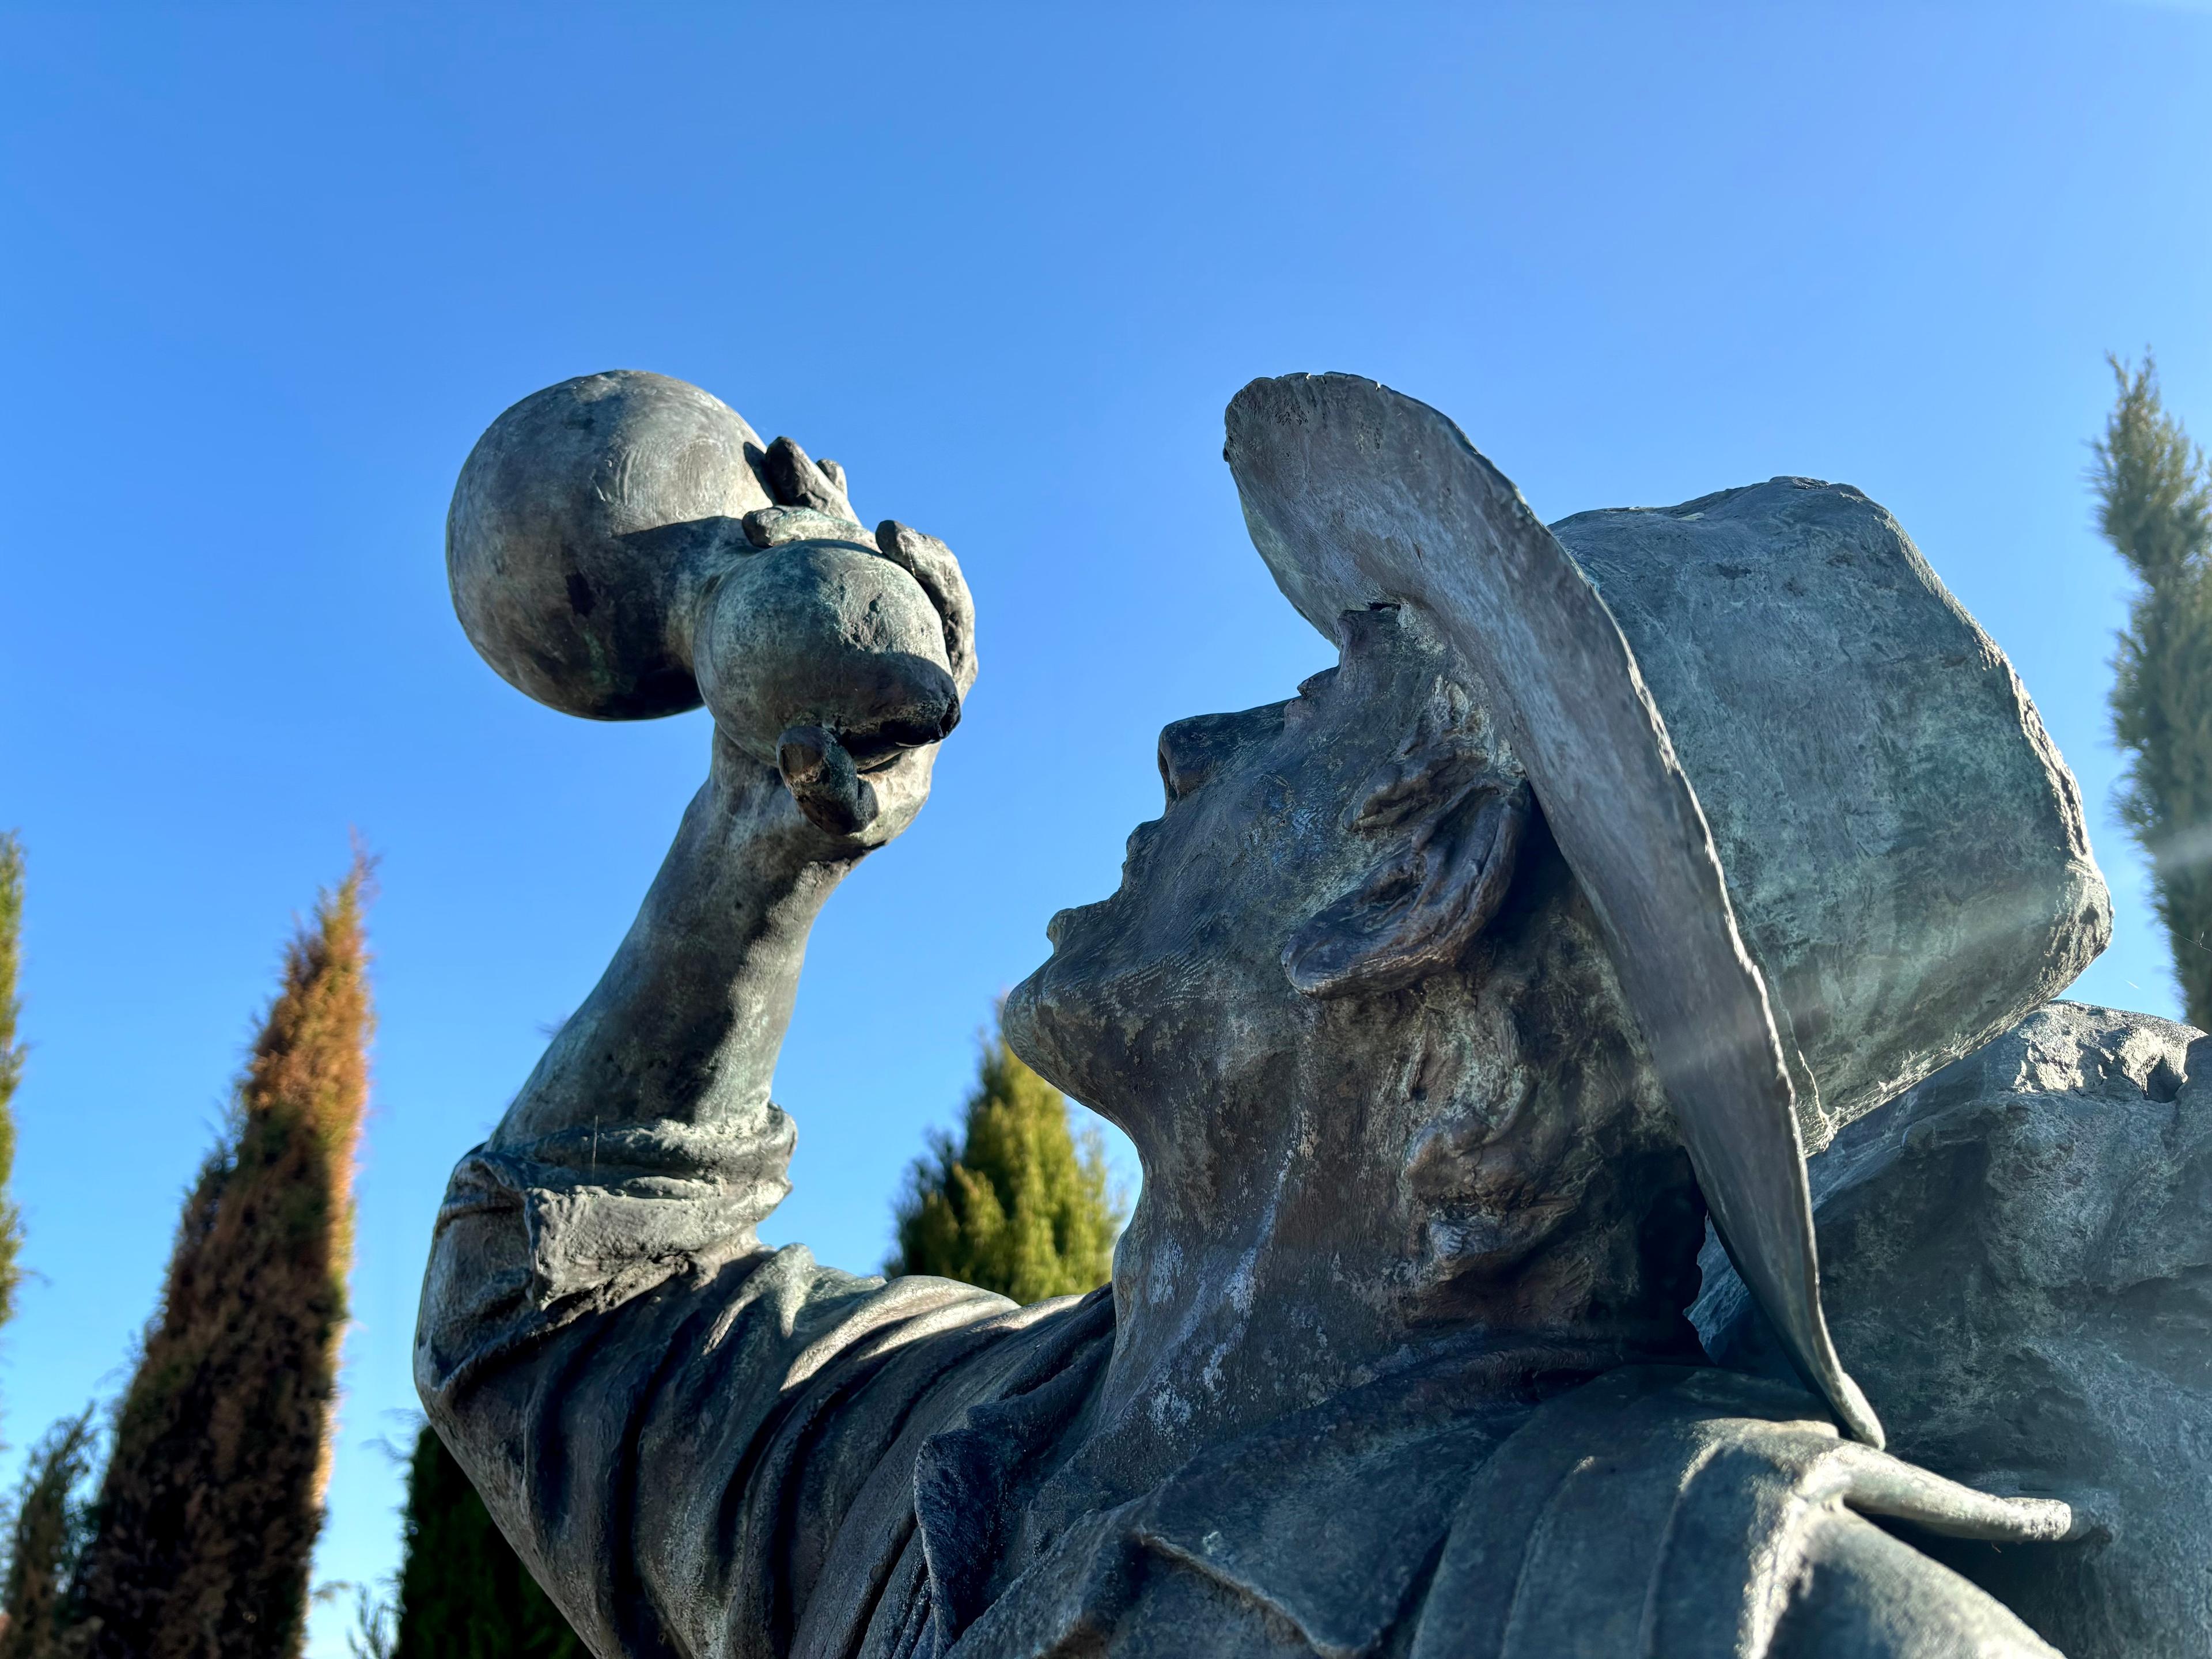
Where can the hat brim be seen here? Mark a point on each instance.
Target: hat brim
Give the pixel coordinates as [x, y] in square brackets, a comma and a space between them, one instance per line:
[1356, 494]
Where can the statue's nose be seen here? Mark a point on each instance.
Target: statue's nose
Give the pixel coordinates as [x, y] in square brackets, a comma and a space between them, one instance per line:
[1192, 750]
[1186, 760]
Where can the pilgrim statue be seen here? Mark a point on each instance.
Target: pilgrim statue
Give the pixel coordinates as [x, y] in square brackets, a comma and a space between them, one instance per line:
[1454, 1006]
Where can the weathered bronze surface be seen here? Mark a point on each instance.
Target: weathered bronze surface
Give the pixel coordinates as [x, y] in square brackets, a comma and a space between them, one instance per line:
[1611, 868]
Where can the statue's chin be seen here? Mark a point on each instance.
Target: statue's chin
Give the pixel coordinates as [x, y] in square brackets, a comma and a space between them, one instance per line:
[1017, 1017]
[1049, 1021]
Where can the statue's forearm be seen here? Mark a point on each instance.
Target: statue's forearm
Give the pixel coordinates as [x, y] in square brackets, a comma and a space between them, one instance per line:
[603, 1341]
[685, 1024]
[643, 1147]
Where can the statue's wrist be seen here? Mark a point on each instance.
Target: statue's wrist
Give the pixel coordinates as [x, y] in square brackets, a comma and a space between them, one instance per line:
[762, 825]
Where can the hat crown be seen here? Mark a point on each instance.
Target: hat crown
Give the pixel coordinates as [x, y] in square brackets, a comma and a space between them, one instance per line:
[1905, 849]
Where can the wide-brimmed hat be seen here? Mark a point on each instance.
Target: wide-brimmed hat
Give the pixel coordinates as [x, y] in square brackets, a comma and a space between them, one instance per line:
[1830, 844]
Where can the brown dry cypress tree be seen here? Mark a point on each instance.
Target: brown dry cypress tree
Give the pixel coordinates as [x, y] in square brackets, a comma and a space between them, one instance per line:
[2155, 505]
[206, 1521]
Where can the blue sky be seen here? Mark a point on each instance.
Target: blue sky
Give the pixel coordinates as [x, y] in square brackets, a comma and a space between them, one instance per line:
[268, 273]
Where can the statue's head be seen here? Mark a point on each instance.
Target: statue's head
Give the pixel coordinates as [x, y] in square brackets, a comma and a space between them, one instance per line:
[1708, 827]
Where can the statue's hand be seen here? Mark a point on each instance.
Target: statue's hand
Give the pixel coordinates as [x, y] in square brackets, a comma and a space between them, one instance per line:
[838, 663]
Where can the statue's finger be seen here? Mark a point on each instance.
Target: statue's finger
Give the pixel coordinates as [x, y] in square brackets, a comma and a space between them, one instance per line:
[780, 526]
[797, 481]
[823, 780]
[931, 563]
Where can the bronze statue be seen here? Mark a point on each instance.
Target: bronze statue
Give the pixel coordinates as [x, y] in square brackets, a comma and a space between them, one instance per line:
[1613, 870]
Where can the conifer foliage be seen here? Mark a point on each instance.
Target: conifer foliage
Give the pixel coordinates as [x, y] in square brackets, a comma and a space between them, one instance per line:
[1019, 1206]
[11, 1060]
[464, 1594]
[2155, 505]
[45, 1532]
[206, 1519]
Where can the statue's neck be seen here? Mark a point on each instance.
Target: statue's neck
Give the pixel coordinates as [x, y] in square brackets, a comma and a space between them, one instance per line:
[1216, 1333]
[1246, 1292]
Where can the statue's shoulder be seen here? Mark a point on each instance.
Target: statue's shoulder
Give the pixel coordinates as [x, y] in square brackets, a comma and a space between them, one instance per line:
[1662, 1510]
[2016, 1261]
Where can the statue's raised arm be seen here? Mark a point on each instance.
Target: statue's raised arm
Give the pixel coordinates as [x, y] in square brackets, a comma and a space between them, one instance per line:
[622, 546]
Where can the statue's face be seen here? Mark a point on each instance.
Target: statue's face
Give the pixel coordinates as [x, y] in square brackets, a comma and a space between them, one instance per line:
[1335, 948]
[1176, 983]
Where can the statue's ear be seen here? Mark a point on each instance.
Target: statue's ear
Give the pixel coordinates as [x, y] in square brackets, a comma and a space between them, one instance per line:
[1452, 845]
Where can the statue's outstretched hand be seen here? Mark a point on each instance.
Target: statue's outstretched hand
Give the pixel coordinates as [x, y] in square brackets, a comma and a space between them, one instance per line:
[837, 658]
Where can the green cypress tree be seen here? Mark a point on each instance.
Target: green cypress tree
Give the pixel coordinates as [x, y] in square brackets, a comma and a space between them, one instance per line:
[464, 1593]
[1020, 1206]
[11, 1062]
[45, 1532]
[2155, 505]
[206, 1519]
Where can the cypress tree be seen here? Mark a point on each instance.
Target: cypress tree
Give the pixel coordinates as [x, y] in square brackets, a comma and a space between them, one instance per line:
[2154, 505]
[44, 1533]
[206, 1520]
[11, 1062]
[1019, 1206]
[464, 1594]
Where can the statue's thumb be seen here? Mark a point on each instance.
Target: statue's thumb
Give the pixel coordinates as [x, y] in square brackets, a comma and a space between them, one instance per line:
[823, 780]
